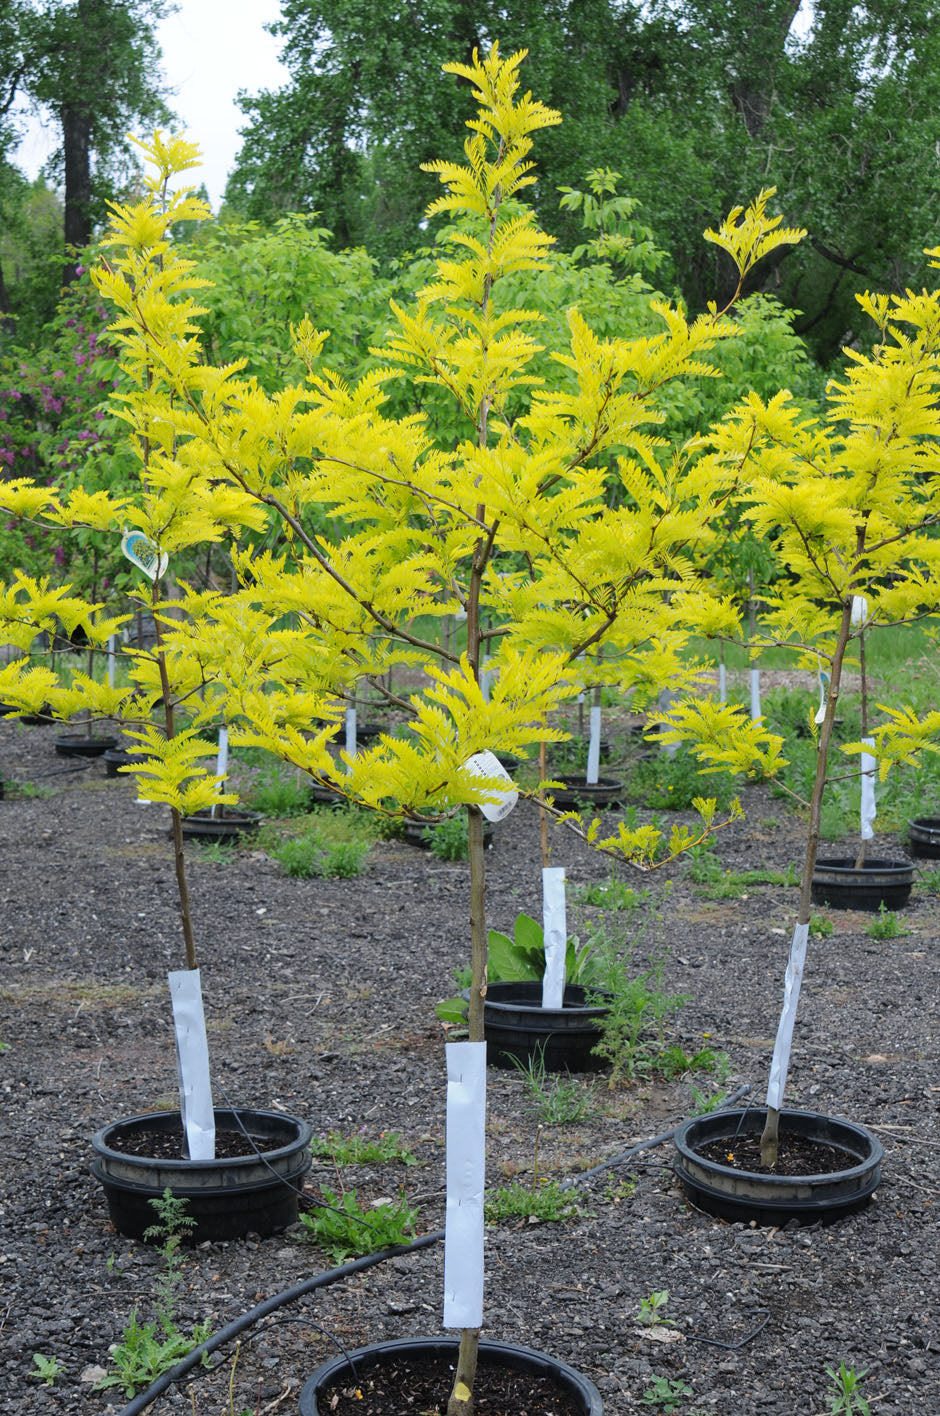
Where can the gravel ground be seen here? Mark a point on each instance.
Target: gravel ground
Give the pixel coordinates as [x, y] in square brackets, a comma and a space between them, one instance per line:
[320, 1000]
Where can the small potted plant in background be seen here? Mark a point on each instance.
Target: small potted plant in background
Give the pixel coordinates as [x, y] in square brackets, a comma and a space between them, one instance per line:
[850, 502]
[238, 1168]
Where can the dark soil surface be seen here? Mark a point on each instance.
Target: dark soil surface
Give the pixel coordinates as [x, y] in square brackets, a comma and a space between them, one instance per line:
[320, 1001]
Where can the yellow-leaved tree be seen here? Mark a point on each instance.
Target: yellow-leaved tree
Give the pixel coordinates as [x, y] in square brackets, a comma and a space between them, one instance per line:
[849, 506]
[511, 526]
[174, 508]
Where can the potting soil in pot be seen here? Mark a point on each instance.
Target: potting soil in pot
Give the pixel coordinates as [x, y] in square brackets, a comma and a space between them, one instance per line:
[424, 1386]
[797, 1156]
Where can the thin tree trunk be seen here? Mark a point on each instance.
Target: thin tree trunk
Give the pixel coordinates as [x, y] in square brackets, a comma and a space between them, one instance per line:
[770, 1136]
[863, 843]
[182, 884]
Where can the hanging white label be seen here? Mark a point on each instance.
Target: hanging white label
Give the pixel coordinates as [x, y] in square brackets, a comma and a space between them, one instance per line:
[722, 684]
[859, 610]
[594, 746]
[142, 552]
[487, 764]
[466, 1181]
[780, 1062]
[192, 1064]
[555, 933]
[112, 641]
[755, 696]
[350, 732]
[823, 691]
[869, 808]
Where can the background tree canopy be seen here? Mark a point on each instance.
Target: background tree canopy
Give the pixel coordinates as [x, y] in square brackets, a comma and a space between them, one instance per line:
[90, 67]
[698, 103]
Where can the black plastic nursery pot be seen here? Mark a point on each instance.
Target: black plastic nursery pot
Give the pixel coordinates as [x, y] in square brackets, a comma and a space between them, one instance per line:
[419, 833]
[226, 826]
[34, 719]
[117, 757]
[839, 883]
[78, 745]
[518, 1029]
[440, 1354]
[227, 1197]
[925, 837]
[324, 796]
[768, 1198]
[576, 791]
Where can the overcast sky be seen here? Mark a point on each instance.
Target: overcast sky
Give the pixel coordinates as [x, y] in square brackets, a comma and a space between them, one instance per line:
[211, 49]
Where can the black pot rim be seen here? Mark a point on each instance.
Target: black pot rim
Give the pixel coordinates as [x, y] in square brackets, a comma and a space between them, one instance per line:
[525, 1358]
[777, 1182]
[172, 1121]
[535, 1010]
[845, 866]
[579, 781]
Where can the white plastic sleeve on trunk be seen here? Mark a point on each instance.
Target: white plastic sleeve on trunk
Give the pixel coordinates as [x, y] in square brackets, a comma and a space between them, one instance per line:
[112, 658]
[350, 732]
[755, 695]
[192, 1064]
[722, 684]
[791, 998]
[555, 928]
[869, 808]
[221, 762]
[466, 1181]
[594, 746]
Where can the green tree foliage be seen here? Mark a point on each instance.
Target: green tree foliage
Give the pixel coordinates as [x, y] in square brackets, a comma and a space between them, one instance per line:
[698, 103]
[367, 104]
[92, 67]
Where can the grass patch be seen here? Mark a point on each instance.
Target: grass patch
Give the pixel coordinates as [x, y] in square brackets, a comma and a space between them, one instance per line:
[360, 1150]
[333, 843]
[278, 791]
[544, 1201]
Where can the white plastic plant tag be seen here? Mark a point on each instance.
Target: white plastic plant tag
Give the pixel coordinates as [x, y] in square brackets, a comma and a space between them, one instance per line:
[466, 1181]
[859, 611]
[869, 808]
[112, 657]
[555, 932]
[350, 732]
[487, 764]
[144, 554]
[756, 713]
[791, 996]
[221, 761]
[722, 684]
[486, 680]
[823, 691]
[594, 746]
[192, 1064]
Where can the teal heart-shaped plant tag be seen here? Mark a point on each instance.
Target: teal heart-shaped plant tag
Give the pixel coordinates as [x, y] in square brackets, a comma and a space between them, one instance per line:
[142, 552]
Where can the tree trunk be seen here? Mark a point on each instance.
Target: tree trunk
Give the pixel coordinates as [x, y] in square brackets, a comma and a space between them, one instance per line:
[76, 137]
[770, 1136]
[182, 884]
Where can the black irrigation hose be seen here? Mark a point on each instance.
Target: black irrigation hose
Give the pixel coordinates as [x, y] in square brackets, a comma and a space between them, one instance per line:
[659, 1140]
[237, 1326]
[270, 1305]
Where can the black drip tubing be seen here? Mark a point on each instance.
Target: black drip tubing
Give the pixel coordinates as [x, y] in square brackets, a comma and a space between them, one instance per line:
[238, 1325]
